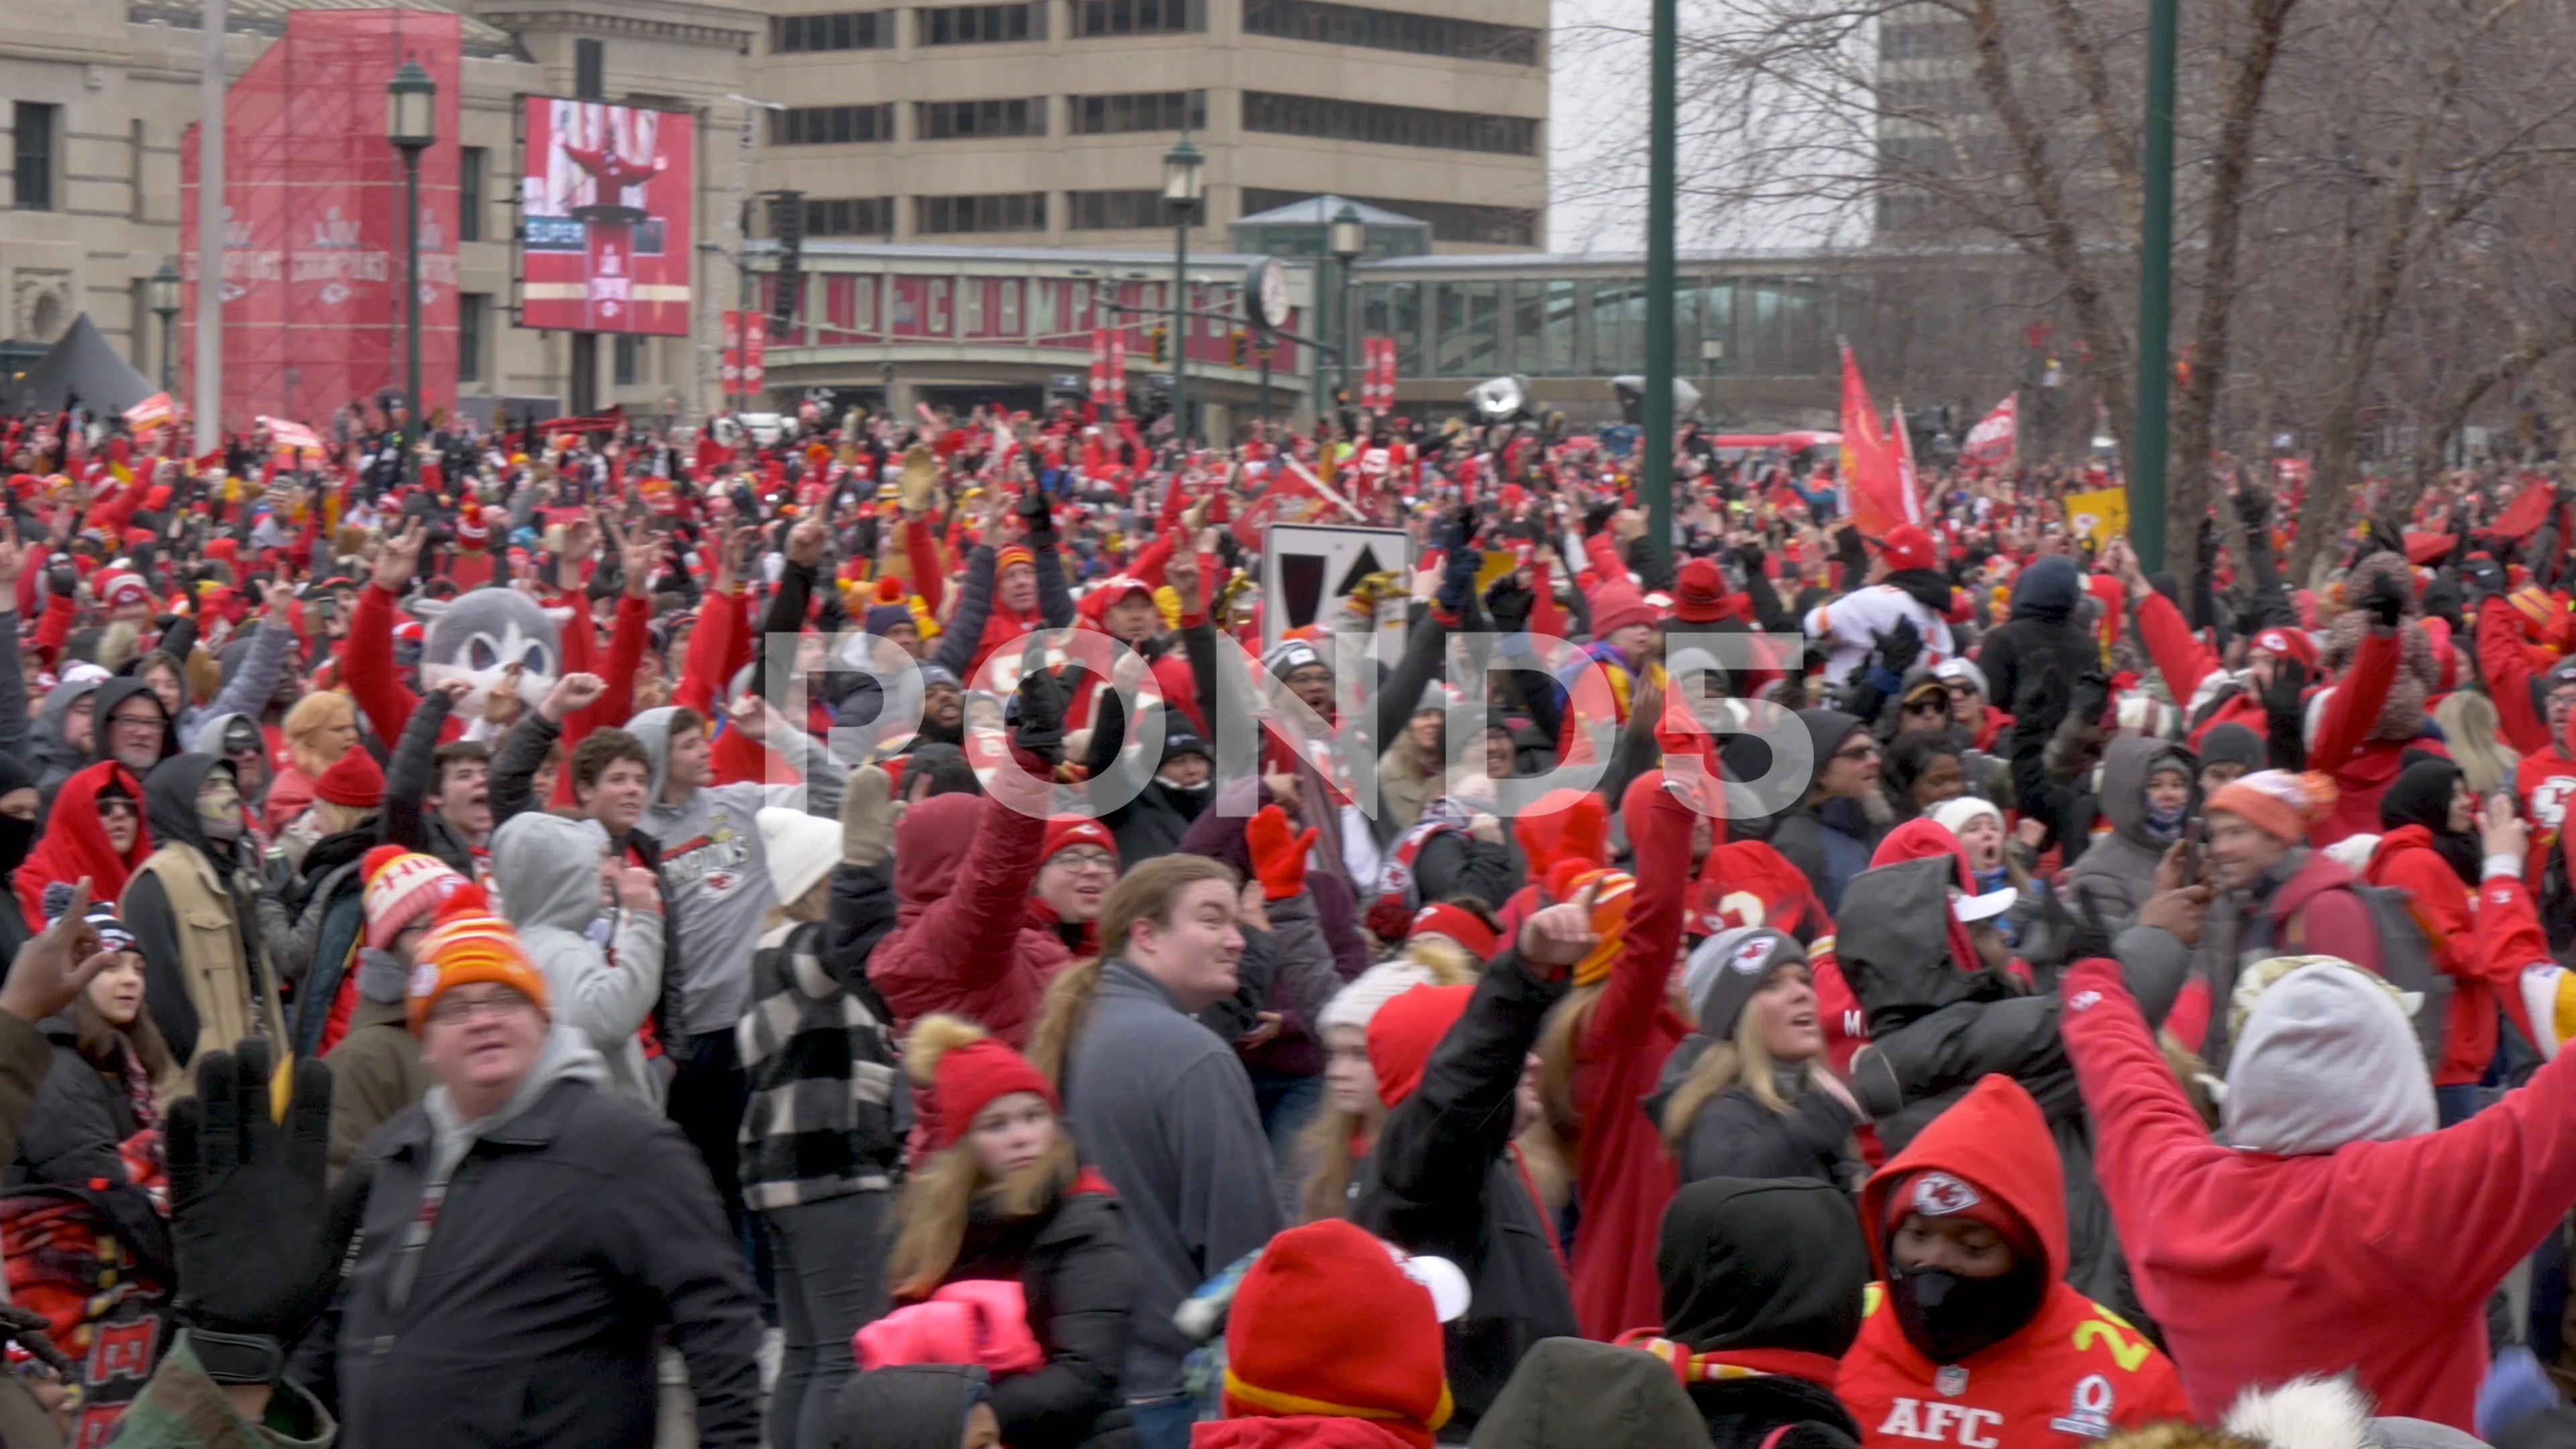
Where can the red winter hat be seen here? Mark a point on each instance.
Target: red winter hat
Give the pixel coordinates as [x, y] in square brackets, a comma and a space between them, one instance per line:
[469, 526]
[1908, 547]
[1616, 605]
[1405, 1031]
[1458, 924]
[356, 780]
[965, 1071]
[1064, 832]
[1699, 592]
[1328, 1324]
[2293, 643]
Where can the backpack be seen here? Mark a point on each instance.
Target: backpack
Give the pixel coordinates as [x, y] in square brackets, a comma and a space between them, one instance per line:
[2405, 959]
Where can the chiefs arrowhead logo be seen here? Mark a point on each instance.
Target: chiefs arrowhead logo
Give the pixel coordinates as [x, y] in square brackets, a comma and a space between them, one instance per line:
[1938, 1194]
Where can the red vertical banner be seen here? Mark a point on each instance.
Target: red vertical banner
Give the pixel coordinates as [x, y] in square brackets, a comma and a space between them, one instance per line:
[1099, 366]
[746, 351]
[1118, 366]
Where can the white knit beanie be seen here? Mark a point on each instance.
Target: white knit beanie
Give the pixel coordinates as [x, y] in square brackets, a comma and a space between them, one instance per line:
[1357, 1004]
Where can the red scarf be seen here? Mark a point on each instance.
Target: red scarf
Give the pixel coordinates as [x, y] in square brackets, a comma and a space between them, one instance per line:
[1734, 1363]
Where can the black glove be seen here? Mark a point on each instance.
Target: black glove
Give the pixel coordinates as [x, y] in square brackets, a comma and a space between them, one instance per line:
[1108, 735]
[63, 579]
[1510, 602]
[2253, 504]
[1037, 725]
[2386, 601]
[257, 1235]
[2286, 695]
[1899, 647]
[2084, 932]
[2090, 699]
[1038, 514]
[1749, 555]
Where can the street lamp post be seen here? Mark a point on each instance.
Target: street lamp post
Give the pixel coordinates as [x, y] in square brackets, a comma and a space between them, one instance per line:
[411, 124]
[165, 305]
[1183, 188]
[1345, 239]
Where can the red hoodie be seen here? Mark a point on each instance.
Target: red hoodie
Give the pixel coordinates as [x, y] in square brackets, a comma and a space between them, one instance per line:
[2463, 943]
[2072, 1374]
[75, 842]
[2377, 1257]
[962, 942]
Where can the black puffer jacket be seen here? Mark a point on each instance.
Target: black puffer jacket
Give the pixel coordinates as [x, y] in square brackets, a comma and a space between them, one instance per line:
[1736, 1135]
[1071, 1264]
[1441, 1181]
[2042, 637]
[81, 1115]
[1936, 1028]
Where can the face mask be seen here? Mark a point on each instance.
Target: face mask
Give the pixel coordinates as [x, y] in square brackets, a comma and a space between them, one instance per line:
[1948, 1318]
[219, 810]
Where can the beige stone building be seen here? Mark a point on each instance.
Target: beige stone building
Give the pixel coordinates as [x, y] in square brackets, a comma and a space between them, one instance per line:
[1036, 123]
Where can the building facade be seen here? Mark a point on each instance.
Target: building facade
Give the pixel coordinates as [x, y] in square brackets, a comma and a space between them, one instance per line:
[1033, 124]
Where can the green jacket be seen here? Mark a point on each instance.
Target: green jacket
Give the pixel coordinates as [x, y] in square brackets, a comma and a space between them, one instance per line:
[181, 1408]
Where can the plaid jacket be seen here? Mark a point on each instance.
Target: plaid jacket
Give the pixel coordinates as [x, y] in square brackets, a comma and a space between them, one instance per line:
[822, 1073]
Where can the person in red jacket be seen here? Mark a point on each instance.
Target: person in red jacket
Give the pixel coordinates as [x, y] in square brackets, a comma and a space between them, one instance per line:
[963, 942]
[2329, 1228]
[2374, 714]
[2431, 852]
[1974, 1338]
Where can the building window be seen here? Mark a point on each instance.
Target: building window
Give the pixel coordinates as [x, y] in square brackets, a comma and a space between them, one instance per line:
[849, 216]
[32, 154]
[590, 70]
[1139, 17]
[960, 120]
[831, 125]
[840, 30]
[473, 314]
[1010, 211]
[1501, 226]
[982, 24]
[1329, 24]
[628, 360]
[1143, 111]
[1114, 210]
[1370, 123]
[471, 163]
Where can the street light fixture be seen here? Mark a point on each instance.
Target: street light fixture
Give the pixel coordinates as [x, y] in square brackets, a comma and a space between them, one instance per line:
[164, 288]
[1183, 190]
[1346, 238]
[411, 124]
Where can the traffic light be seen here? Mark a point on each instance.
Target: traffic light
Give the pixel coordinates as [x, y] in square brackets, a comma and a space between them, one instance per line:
[1236, 344]
[1158, 338]
[787, 227]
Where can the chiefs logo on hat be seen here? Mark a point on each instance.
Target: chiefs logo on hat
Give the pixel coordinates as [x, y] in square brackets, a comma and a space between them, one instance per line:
[1752, 955]
[1938, 1194]
[2274, 640]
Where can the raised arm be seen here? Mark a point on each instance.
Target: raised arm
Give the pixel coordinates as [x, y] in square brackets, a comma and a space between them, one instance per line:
[367, 656]
[408, 777]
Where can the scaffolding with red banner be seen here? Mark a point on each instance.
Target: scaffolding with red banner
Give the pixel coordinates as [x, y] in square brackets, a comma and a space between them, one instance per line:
[314, 243]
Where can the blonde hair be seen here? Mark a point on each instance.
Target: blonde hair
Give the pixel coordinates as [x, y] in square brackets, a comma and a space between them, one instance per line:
[1061, 1016]
[118, 643]
[2473, 731]
[930, 1218]
[1331, 1164]
[1740, 1060]
[1560, 1050]
[312, 715]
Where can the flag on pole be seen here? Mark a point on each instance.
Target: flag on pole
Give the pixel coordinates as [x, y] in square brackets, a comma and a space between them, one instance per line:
[2101, 515]
[153, 412]
[1878, 493]
[284, 434]
[1995, 438]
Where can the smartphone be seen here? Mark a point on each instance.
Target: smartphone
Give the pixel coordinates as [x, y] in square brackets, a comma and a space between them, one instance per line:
[2194, 848]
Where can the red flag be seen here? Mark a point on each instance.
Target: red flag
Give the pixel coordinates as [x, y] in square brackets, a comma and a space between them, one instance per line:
[1877, 494]
[1991, 441]
[2527, 511]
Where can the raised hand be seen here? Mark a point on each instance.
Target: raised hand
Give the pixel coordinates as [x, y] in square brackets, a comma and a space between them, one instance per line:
[398, 562]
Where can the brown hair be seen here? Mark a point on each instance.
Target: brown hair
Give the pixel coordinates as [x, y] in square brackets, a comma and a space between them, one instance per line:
[456, 752]
[600, 749]
[1151, 890]
[104, 1045]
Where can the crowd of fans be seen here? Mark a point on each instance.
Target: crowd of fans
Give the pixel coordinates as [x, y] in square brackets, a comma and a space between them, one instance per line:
[893, 938]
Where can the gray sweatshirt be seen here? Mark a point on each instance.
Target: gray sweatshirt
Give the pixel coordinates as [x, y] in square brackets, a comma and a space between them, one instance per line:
[1166, 1112]
[548, 868]
[716, 872]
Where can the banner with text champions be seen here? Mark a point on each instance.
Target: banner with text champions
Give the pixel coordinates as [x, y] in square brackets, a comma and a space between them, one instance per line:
[609, 235]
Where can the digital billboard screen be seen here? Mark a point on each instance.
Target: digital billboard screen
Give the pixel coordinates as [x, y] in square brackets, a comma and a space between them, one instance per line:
[606, 225]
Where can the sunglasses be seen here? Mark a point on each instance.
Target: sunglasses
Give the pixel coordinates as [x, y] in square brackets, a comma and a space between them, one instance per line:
[1927, 706]
[110, 806]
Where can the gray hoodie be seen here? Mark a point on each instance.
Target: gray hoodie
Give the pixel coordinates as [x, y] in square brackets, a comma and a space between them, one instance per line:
[56, 758]
[548, 871]
[716, 872]
[247, 690]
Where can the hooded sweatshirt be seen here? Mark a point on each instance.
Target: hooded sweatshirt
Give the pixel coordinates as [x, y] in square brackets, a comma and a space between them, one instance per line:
[1762, 1288]
[548, 868]
[2117, 875]
[2375, 1256]
[2042, 637]
[2072, 1373]
[963, 940]
[1572, 1394]
[716, 871]
[56, 756]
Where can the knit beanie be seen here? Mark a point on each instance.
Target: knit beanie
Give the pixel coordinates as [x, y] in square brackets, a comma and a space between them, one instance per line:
[1728, 968]
[2277, 802]
[470, 944]
[2325, 1055]
[1404, 1033]
[1954, 813]
[402, 887]
[801, 849]
[1616, 605]
[1458, 924]
[1328, 1324]
[965, 1070]
[355, 780]
[1368, 993]
[1064, 832]
[101, 916]
[1609, 914]
[884, 619]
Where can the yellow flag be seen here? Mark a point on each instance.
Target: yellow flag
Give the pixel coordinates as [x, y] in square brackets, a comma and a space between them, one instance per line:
[2101, 515]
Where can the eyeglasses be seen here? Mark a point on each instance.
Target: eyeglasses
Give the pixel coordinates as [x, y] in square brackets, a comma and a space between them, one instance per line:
[452, 1008]
[1082, 860]
[114, 805]
[1856, 752]
[136, 721]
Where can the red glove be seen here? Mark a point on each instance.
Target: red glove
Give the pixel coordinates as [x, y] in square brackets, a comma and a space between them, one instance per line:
[1277, 857]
